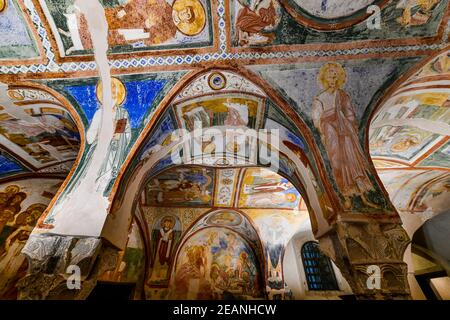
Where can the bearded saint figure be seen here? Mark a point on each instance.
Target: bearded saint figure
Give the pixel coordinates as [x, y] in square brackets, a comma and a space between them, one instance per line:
[333, 115]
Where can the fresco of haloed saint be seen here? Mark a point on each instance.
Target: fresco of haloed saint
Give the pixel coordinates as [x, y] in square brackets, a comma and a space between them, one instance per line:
[257, 20]
[16, 224]
[135, 24]
[334, 117]
[263, 188]
[216, 263]
[122, 133]
[181, 187]
[165, 235]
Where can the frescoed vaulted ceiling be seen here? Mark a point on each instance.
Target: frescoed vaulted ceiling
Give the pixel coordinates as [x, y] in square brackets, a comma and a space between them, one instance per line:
[243, 188]
[38, 133]
[241, 64]
[49, 76]
[409, 139]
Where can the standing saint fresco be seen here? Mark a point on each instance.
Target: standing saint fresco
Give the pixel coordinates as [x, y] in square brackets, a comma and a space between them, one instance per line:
[117, 150]
[334, 116]
[165, 236]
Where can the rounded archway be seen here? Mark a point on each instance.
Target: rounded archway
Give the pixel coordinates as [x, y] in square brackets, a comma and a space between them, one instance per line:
[41, 143]
[409, 142]
[224, 101]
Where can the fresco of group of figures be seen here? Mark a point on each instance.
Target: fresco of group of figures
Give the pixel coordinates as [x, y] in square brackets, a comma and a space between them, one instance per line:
[275, 22]
[212, 262]
[216, 263]
[214, 257]
[21, 205]
[133, 25]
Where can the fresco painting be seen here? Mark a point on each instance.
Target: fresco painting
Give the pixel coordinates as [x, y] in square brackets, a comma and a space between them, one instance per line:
[216, 263]
[332, 9]
[139, 96]
[440, 65]
[226, 187]
[165, 233]
[264, 189]
[439, 158]
[130, 267]
[134, 25]
[402, 185]
[181, 187]
[160, 137]
[225, 218]
[275, 229]
[227, 110]
[287, 22]
[17, 40]
[20, 209]
[334, 116]
[396, 135]
[47, 136]
[433, 197]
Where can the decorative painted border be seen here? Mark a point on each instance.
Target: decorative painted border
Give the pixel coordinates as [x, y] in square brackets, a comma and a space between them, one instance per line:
[223, 53]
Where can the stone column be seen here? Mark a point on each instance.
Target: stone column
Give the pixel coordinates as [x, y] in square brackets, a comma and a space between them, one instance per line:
[365, 250]
[64, 267]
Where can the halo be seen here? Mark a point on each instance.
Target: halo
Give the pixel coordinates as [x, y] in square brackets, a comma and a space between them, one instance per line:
[3, 5]
[117, 87]
[198, 21]
[170, 218]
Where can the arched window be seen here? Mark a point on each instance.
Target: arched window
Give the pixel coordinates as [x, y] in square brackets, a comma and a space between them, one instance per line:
[318, 269]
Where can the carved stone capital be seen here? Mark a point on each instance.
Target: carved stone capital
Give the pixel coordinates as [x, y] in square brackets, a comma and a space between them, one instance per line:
[370, 256]
[49, 257]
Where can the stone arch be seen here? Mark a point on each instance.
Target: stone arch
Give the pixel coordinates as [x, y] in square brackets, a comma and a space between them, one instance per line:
[406, 137]
[242, 226]
[43, 136]
[134, 171]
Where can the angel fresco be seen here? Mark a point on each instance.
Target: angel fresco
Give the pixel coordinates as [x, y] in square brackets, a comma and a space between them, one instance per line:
[335, 118]
[139, 23]
[257, 21]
